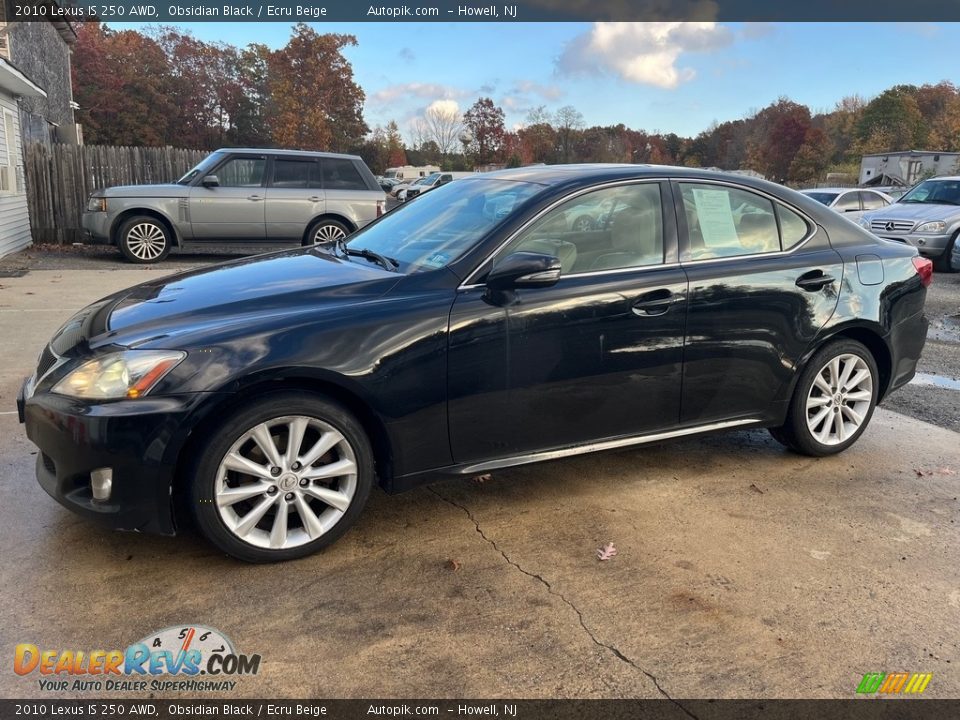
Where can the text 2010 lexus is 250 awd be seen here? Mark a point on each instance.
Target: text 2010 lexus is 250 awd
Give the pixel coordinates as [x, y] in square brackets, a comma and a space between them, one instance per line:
[471, 330]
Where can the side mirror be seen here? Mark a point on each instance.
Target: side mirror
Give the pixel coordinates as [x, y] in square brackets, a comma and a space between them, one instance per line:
[524, 270]
[210, 181]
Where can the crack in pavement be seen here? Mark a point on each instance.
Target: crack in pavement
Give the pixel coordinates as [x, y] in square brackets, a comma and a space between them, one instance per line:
[613, 649]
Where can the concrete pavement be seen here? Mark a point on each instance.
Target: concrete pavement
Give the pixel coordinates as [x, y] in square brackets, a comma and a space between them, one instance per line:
[743, 570]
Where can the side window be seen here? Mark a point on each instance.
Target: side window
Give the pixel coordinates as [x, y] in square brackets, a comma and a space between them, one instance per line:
[340, 174]
[793, 228]
[242, 172]
[291, 173]
[872, 201]
[724, 221]
[619, 227]
[848, 202]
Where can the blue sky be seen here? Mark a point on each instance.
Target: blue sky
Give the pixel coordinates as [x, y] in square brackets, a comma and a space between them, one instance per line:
[669, 77]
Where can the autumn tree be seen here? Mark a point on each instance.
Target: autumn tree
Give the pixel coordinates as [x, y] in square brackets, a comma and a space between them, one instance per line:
[569, 121]
[316, 103]
[539, 136]
[779, 131]
[485, 122]
[122, 83]
[442, 125]
[892, 121]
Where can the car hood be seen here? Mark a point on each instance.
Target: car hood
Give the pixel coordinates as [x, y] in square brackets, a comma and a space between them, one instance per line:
[180, 310]
[915, 211]
[167, 190]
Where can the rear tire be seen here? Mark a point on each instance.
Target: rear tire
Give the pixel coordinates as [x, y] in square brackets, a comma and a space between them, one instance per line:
[144, 240]
[833, 401]
[282, 478]
[326, 230]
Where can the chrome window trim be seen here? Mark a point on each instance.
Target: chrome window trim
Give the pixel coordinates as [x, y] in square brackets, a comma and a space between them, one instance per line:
[812, 226]
[467, 284]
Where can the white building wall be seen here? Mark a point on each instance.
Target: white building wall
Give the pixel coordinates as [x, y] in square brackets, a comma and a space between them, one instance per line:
[14, 217]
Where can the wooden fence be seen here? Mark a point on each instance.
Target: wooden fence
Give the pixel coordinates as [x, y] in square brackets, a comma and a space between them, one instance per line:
[60, 179]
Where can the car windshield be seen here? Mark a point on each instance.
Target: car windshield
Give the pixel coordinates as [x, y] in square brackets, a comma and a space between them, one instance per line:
[934, 192]
[443, 224]
[430, 179]
[822, 197]
[206, 164]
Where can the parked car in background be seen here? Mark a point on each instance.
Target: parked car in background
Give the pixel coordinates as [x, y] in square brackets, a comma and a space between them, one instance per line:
[239, 197]
[434, 180]
[927, 217]
[405, 185]
[466, 334]
[386, 184]
[852, 202]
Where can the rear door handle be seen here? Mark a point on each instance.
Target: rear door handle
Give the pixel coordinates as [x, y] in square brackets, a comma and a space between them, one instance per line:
[255, 198]
[314, 198]
[655, 302]
[814, 280]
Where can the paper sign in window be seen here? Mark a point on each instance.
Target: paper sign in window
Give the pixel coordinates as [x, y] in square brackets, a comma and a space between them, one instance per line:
[716, 218]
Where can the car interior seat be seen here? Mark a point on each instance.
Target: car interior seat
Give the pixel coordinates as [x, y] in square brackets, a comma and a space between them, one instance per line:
[636, 236]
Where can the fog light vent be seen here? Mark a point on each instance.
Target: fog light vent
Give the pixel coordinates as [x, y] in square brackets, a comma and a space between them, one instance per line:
[101, 483]
[48, 463]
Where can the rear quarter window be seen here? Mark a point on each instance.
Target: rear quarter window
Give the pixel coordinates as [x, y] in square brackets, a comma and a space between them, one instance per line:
[341, 174]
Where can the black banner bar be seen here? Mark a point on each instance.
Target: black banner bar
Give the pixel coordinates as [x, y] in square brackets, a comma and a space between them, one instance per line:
[859, 709]
[168, 11]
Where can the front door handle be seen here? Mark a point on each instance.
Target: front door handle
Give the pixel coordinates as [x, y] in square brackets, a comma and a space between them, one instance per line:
[814, 281]
[255, 198]
[655, 302]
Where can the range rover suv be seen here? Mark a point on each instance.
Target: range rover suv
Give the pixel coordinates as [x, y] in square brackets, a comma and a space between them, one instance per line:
[239, 196]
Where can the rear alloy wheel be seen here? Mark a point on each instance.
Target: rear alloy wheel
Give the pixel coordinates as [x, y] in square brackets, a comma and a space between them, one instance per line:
[327, 231]
[283, 479]
[144, 240]
[833, 401]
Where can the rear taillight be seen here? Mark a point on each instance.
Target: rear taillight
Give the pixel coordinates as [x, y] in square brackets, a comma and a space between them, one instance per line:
[924, 268]
[379, 207]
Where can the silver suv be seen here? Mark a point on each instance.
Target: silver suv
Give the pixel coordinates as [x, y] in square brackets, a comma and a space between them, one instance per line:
[236, 197]
[927, 217]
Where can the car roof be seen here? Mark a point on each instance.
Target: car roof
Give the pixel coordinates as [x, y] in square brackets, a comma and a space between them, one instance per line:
[588, 173]
[833, 190]
[281, 151]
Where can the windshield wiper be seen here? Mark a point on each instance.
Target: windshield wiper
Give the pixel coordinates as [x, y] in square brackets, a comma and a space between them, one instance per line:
[387, 263]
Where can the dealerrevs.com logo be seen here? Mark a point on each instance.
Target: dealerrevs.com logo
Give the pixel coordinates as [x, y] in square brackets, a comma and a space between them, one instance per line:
[203, 656]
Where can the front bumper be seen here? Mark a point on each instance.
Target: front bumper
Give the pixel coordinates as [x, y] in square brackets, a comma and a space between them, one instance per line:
[96, 226]
[139, 439]
[928, 245]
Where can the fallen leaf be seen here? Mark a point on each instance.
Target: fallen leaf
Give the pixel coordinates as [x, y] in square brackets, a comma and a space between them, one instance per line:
[483, 478]
[453, 565]
[756, 489]
[606, 552]
[945, 471]
[919, 473]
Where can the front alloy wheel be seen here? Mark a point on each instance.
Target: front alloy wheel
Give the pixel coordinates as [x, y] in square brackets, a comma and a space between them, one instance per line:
[291, 473]
[833, 400]
[144, 240]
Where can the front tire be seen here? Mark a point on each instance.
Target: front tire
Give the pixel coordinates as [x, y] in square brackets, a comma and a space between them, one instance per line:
[144, 240]
[949, 262]
[833, 401]
[282, 478]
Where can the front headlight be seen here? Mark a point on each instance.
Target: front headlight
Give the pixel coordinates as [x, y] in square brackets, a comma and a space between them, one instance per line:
[128, 374]
[97, 204]
[935, 226]
[863, 222]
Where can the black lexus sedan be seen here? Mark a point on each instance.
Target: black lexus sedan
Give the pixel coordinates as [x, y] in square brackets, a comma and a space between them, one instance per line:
[467, 332]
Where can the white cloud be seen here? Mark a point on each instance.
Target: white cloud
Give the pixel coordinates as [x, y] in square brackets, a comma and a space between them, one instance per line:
[406, 91]
[644, 53]
[447, 107]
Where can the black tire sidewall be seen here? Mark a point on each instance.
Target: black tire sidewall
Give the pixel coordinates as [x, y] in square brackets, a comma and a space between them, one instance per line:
[219, 441]
[136, 220]
[314, 226]
[797, 433]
